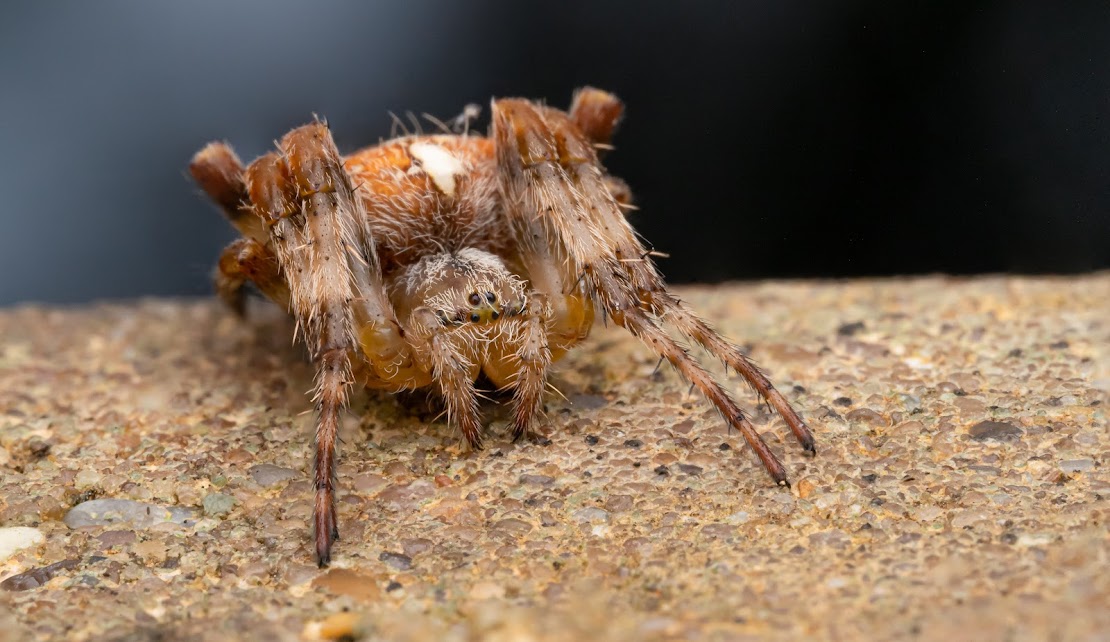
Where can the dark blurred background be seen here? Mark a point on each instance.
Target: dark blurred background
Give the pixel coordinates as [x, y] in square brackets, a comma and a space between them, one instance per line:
[763, 139]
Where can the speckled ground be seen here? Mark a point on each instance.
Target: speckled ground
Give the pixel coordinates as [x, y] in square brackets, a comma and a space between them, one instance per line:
[961, 488]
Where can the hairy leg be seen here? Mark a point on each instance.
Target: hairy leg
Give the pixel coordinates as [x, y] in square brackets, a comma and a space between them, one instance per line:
[452, 370]
[647, 330]
[247, 260]
[551, 175]
[596, 113]
[532, 360]
[689, 324]
[318, 231]
[619, 234]
[219, 173]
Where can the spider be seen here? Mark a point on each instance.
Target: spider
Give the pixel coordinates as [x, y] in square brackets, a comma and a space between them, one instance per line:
[429, 260]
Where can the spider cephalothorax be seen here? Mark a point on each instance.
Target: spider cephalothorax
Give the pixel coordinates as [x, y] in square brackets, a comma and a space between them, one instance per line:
[433, 260]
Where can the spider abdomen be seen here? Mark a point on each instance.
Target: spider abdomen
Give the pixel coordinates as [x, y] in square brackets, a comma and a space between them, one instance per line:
[427, 194]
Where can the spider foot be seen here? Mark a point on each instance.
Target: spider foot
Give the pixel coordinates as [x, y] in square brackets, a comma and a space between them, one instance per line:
[327, 533]
[528, 435]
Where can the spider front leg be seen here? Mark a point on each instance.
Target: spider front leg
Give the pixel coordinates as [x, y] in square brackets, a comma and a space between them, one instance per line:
[318, 230]
[453, 371]
[534, 359]
[520, 357]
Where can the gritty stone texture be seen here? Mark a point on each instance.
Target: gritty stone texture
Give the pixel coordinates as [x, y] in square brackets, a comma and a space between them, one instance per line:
[960, 490]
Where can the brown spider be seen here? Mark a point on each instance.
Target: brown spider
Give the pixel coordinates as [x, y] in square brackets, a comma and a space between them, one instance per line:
[433, 259]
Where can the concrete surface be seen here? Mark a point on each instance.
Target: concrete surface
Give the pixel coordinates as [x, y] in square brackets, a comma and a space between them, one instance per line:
[960, 489]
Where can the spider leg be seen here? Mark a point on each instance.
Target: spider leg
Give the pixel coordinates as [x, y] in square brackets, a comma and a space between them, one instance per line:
[219, 173]
[452, 370]
[647, 330]
[652, 292]
[534, 358]
[689, 324]
[557, 197]
[247, 260]
[317, 229]
[620, 191]
[596, 113]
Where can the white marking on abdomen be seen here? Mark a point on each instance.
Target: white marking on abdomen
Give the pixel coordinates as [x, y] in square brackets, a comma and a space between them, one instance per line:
[441, 165]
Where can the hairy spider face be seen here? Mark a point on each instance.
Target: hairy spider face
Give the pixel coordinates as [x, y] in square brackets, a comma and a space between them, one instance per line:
[435, 260]
[467, 286]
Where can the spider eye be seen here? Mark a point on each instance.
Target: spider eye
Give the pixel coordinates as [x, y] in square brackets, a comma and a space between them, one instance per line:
[475, 317]
[494, 315]
[475, 299]
[491, 297]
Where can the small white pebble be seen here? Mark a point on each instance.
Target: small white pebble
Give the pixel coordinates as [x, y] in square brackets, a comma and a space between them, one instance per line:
[16, 538]
[1077, 465]
[591, 514]
[86, 479]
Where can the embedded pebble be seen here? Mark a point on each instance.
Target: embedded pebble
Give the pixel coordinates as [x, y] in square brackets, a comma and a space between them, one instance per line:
[86, 479]
[216, 504]
[867, 416]
[537, 480]
[591, 514]
[995, 430]
[36, 577]
[416, 546]
[720, 531]
[739, 517]
[15, 538]
[588, 402]
[618, 503]
[515, 526]
[850, 329]
[398, 561]
[126, 512]
[344, 581]
[690, 469]
[112, 539]
[266, 475]
[1077, 465]
[968, 517]
[402, 497]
